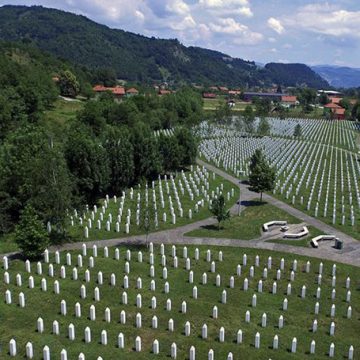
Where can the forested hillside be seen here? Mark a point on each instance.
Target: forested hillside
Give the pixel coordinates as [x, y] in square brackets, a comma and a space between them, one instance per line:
[296, 75]
[108, 146]
[135, 57]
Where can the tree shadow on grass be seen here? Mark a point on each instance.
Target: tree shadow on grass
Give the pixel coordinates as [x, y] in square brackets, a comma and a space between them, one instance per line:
[250, 203]
[212, 227]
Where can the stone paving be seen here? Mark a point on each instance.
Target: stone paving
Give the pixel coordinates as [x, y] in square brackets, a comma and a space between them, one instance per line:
[349, 255]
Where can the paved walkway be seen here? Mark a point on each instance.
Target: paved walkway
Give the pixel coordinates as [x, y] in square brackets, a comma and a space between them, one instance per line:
[349, 255]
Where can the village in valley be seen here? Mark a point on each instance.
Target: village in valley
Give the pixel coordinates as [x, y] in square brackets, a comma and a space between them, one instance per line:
[163, 201]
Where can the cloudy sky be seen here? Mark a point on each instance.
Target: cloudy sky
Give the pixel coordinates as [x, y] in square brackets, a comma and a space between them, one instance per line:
[308, 31]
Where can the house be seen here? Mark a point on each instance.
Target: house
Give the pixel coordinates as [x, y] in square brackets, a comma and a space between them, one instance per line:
[330, 93]
[249, 96]
[234, 92]
[336, 111]
[132, 92]
[209, 96]
[289, 101]
[223, 89]
[339, 114]
[117, 91]
[335, 100]
[164, 92]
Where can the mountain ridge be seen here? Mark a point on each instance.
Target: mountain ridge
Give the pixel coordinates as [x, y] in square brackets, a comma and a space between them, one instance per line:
[339, 76]
[136, 57]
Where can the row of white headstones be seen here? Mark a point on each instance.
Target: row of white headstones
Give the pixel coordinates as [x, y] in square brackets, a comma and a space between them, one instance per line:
[323, 131]
[304, 170]
[104, 341]
[196, 185]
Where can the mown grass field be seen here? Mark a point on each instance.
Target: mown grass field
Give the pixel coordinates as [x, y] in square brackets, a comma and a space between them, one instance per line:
[248, 225]
[212, 104]
[77, 231]
[20, 323]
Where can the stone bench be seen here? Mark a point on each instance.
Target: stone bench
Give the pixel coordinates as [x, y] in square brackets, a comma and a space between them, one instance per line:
[300, 234]
[315, 241]
[274, 223]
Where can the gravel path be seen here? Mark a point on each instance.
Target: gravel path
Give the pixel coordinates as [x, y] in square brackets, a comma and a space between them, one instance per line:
[349, 255]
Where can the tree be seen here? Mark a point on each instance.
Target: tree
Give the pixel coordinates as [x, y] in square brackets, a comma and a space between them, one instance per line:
[264, 127]
[307, 98]
[69, 86]
[262, 105]
[249, 118]
[323, 99]
[297, 131]
[262, 175]
[355, 113]
[223, 112]
[170, 152]
[147, 217]
[218, 209]
[121, 162]
[30, 234]
[188, 146]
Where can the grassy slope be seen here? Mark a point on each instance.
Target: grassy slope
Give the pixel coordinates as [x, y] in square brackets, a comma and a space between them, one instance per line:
[298, 319]
[77, 231]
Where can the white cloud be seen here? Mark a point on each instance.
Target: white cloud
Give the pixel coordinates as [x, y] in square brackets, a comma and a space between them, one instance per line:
[187, 23]
[228, 26]
[326, 19]
[177, 7]
[241, 33]
[139, 15]
[276, 25]
[223, 3]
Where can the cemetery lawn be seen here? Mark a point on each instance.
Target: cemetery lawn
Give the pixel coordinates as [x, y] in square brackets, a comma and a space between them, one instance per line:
[248, 225]
[7, 244]
[20, 323]
[304, 242]
[77, 232]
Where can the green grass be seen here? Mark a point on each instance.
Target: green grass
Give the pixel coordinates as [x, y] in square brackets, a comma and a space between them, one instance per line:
[21, 323]
[304, 242]
[7, 244]
[63, 111]
[248, 225]
[212, 104]
[77, 232]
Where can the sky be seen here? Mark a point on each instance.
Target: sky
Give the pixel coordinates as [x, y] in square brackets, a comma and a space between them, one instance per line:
[305, 31]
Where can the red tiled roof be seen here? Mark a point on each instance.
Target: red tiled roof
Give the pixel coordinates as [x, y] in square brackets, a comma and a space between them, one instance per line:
[332, 106]
[234, 92]
[132, 91]
[291, 99]
[340, 111]
[209, 95]
[164, 92]
[223, 88]
[118, 90]
[335, 100]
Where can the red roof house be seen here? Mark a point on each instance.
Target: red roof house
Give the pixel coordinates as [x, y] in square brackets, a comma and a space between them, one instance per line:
[164, 92]
[132, 91]
[209, 96]
[118, 91]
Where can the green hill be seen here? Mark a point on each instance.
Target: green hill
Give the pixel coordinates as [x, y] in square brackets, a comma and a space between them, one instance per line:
[286, 74]
[133, 57]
